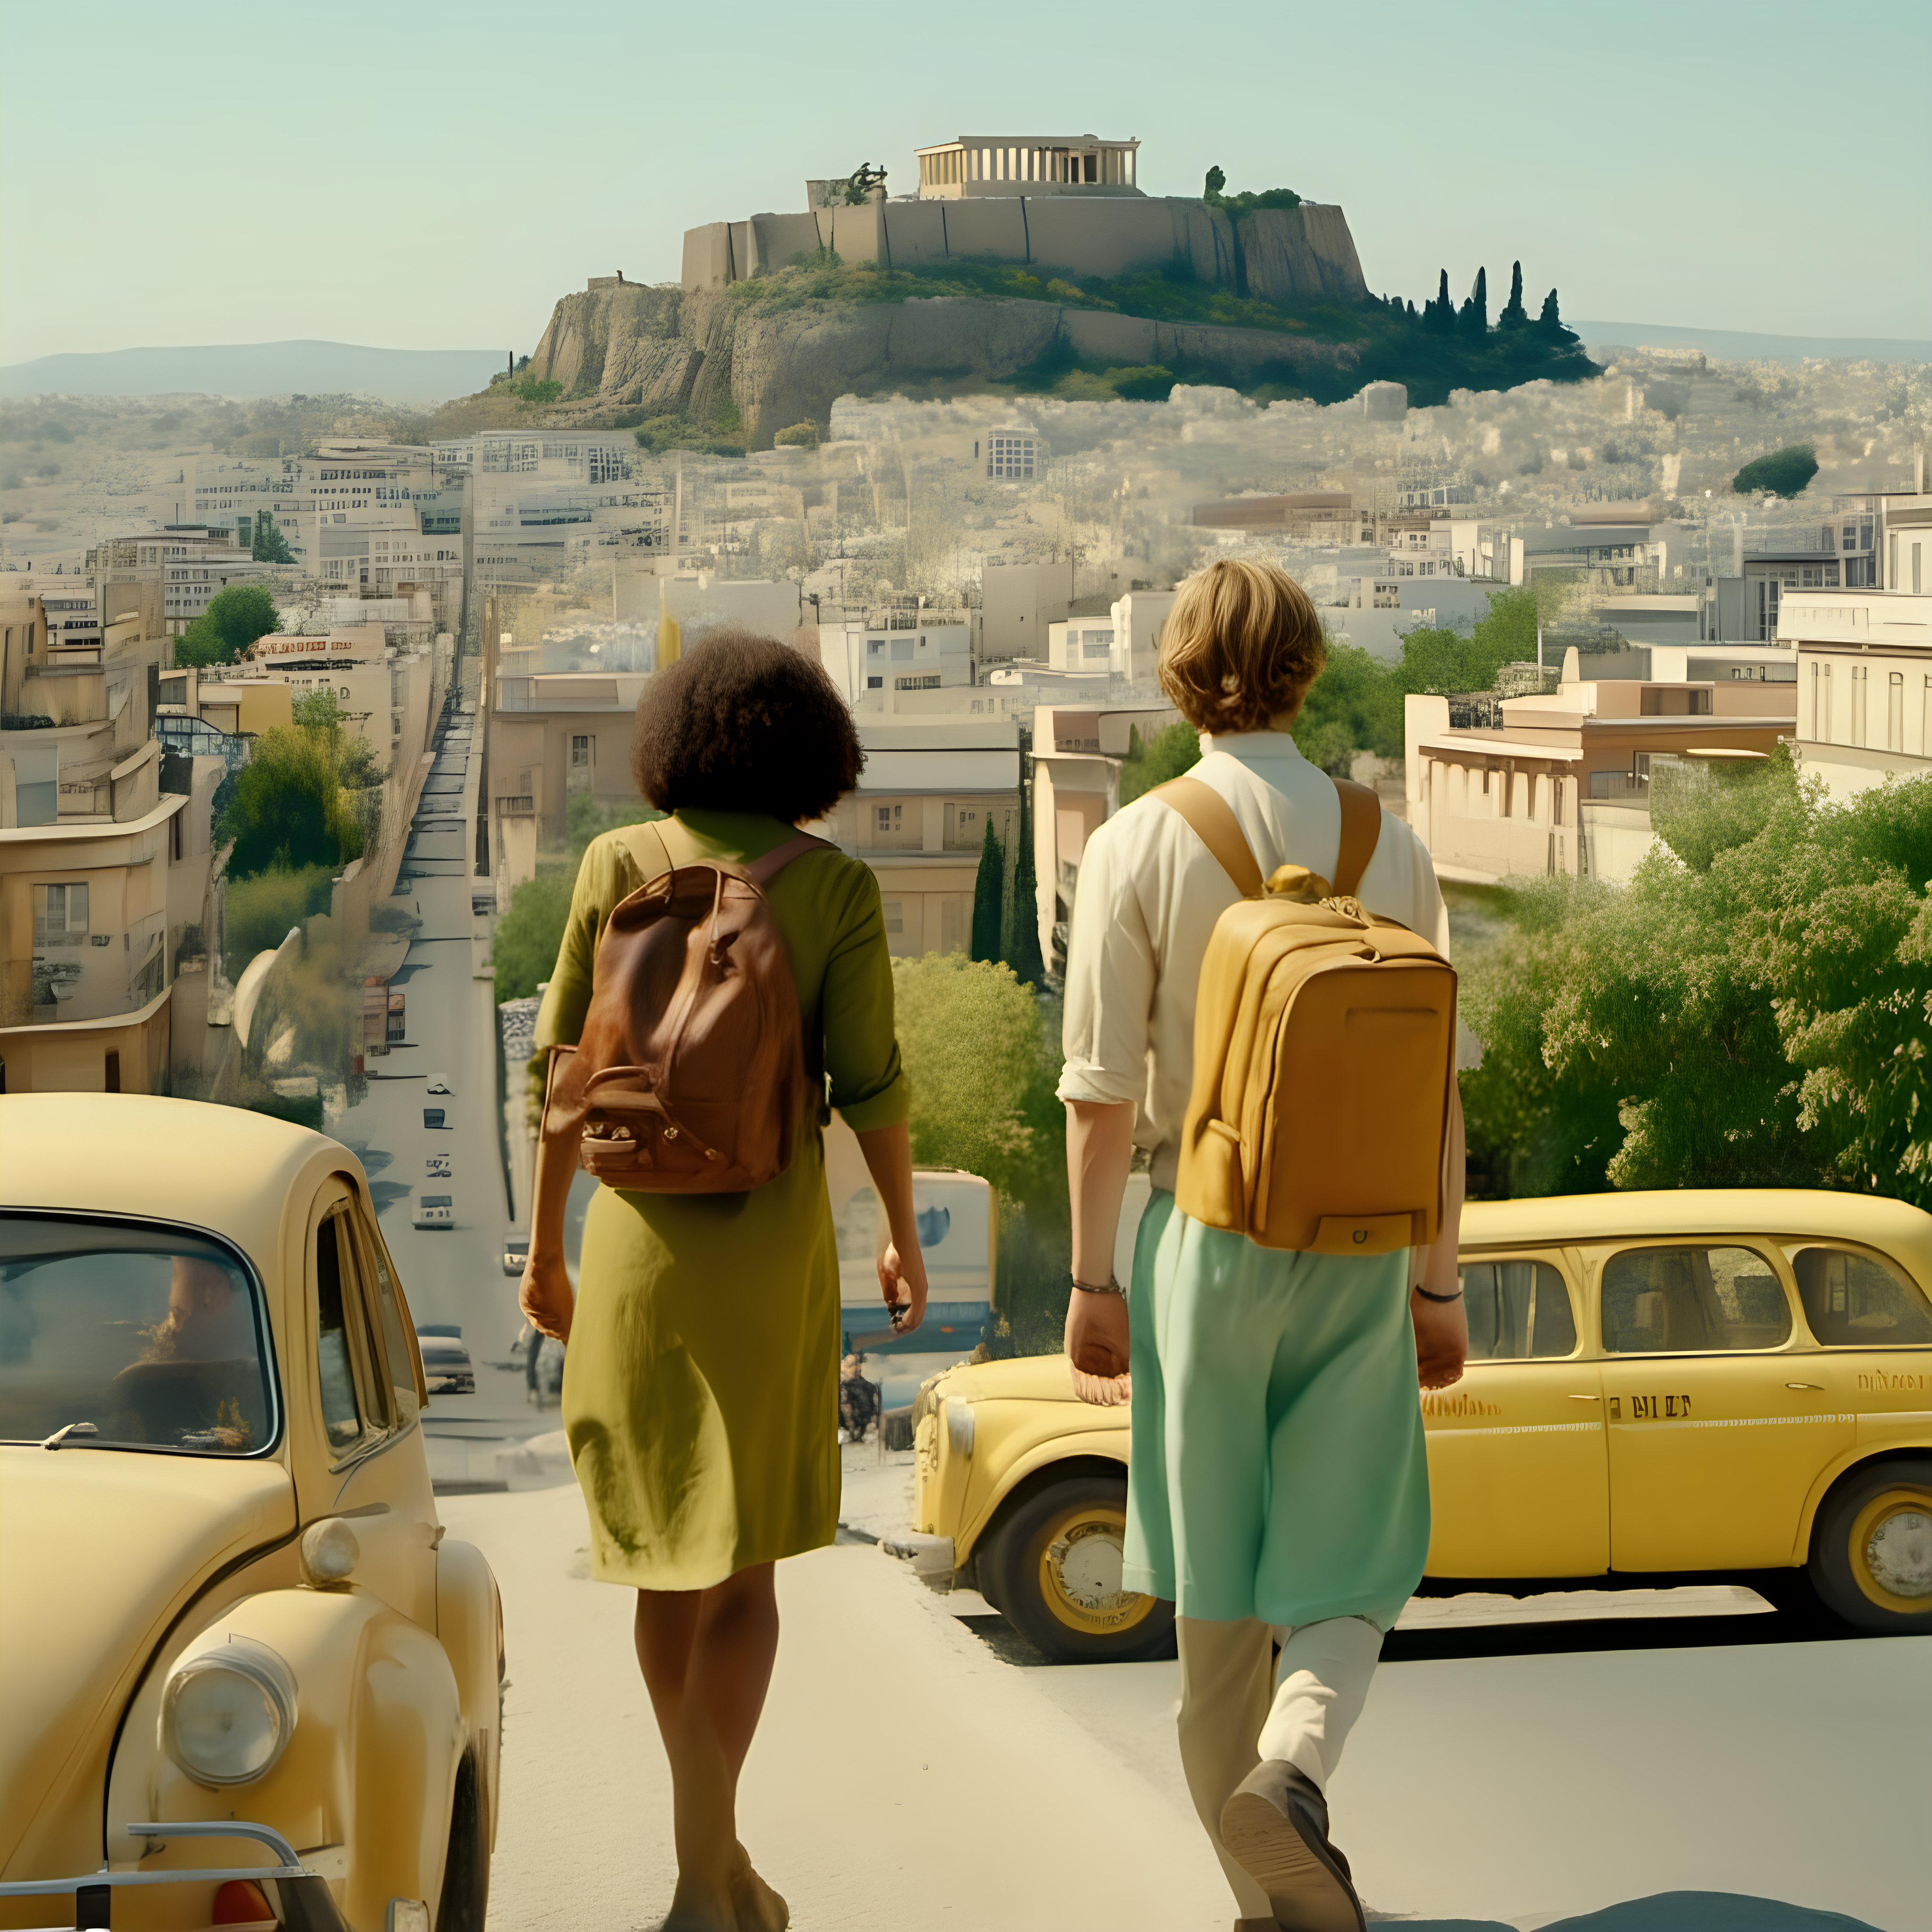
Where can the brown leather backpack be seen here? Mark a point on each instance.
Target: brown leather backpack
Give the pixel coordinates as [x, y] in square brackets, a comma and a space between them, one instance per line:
[691, 1075]
[1324, 1052]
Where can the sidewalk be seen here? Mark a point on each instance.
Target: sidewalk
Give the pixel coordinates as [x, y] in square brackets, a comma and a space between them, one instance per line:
[906, 1777]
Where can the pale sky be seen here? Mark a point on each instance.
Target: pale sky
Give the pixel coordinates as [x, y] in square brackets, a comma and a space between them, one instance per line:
[433, 175]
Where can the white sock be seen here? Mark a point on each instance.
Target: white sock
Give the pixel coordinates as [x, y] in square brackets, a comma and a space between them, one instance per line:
[1325, 1669]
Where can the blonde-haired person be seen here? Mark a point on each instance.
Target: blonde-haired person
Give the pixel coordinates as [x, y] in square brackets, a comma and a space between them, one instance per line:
[1277, 1486]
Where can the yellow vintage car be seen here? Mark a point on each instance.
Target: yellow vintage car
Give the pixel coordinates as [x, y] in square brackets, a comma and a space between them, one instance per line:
[1657, 1384]
[243, 1678]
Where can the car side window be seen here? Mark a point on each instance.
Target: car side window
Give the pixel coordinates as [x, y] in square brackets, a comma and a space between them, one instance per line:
[1692, 1299]
[341, 1407]
[395, 1344]
[1518, 1311]
[1857, 1301]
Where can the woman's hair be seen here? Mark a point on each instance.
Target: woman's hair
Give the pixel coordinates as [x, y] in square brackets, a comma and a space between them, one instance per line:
[742, 723]
[1241, 645]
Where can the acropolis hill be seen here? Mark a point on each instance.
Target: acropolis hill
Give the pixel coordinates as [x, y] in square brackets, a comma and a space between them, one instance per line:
[1028, 262]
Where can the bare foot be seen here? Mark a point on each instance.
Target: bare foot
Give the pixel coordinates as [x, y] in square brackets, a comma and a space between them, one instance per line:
[759, 1908]
[695, 1908]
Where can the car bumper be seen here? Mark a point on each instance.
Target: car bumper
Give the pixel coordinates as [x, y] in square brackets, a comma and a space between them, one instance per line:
[931, 1557]
[306, 1903]
[450, 1384]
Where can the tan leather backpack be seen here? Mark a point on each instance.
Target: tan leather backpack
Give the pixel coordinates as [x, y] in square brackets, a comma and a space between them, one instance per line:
[1324, 1047]
[690, 1076]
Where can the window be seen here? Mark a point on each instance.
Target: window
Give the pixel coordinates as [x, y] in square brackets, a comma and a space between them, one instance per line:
[1857, 1301]
[60, 915]
[580, 749]
[895, 921]
[891, 817]
[1691, 1300]
[1859, 698]
[1894, 712]
[875, 683]
[337, 1334]
[395, 1344]
[1917, 552]
[1517, 1311]
[153, 1335]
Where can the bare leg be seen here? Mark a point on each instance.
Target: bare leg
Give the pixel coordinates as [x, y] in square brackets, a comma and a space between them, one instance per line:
[706, 1657]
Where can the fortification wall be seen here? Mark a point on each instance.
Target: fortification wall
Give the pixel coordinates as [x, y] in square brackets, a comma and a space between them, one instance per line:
[1286, 255]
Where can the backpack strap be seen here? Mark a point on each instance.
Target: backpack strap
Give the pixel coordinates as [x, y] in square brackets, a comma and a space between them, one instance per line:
[762, 871]
[1361, 827]
[1213, 821]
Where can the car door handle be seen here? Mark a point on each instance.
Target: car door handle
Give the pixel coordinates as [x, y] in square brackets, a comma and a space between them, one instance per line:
[1818, 1387]
[1586, 1398]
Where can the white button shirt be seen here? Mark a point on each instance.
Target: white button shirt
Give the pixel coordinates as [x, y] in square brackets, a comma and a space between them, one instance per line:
[1148, 896]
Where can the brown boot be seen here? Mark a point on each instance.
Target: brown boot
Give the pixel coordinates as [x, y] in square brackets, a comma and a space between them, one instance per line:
[1275, 1828]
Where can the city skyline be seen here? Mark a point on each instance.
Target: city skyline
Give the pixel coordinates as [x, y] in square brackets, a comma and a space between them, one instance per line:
[434, 224]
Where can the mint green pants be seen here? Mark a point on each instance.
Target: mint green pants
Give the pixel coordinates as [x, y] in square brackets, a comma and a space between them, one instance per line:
[1277, 1469]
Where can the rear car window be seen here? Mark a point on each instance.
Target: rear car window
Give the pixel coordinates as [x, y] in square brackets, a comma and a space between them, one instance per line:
[1692, 1299]
[1854, 1301]
[139, 1336]
[1518, 1311]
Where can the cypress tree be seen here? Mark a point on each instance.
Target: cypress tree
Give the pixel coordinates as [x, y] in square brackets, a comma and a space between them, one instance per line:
[1513, 315]
[1441, 313]
[988, 896]
[1019, 934]
[1550, 323]
[1475, 316]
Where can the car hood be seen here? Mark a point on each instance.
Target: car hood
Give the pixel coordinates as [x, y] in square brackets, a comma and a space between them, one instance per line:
[103, 1548]
[1019, 1378]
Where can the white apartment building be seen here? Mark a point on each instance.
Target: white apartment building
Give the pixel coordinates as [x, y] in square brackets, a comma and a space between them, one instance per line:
[919, 819]
[1081, 644]
[1864, 675]
[540, 501]
[189, 584]
[876, 662]
[1014, 455]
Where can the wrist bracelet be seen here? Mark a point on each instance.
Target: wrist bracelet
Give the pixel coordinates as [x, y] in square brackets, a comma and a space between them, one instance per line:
[1427, 1296]
[1110, 1286]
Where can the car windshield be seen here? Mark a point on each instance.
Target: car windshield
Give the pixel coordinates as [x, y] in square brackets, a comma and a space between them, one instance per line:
[127, 1336]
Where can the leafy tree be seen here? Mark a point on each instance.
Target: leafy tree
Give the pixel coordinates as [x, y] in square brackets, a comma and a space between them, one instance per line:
[259, 912]
[1354, 705]
[1211, 192]
[1784, 472]
[1514, 316]
[1164, 756]
[352, 754]
[270, 545]
[234, 618]
[585, 819]
[989, 887]
[804, 435]
[530, 933]
[287, 811]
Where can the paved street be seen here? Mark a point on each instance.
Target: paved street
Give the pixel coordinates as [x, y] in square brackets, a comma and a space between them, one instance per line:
[913, 1772]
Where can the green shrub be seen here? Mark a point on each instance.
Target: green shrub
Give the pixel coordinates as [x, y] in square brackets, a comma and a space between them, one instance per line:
[1784, 472]
[529, 935]
[800, 435]
[262, 910]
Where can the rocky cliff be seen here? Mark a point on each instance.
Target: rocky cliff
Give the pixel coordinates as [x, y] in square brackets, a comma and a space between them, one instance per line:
[641, 352]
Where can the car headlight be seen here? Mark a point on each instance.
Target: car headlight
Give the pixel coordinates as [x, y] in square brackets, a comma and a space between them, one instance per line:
[227, 1712]
[959, 1426]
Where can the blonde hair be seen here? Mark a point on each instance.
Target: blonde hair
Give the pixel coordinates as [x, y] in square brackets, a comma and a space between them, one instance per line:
[1241, 646]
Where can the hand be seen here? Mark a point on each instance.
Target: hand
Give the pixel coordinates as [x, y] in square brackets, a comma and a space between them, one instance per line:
[1096, 1343]
[902, 1283]
[1441, 1340]
[546, 1296]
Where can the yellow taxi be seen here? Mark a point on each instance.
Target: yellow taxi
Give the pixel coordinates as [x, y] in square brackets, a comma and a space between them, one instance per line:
[244, 1678]
[1657, 1383]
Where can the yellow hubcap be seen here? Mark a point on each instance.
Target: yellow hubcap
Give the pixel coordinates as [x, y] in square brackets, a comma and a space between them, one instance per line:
[1891, 1550]
[1080, 1572]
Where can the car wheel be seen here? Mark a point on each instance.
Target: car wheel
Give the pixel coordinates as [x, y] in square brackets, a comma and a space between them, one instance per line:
[466, 1874]
[1055, 1575]
[1871, 1548]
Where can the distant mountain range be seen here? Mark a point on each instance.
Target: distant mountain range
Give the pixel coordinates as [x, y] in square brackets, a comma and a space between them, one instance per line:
[1731, 345]
[242, 369]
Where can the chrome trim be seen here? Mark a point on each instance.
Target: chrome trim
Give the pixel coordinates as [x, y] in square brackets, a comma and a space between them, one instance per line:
[290, 1867]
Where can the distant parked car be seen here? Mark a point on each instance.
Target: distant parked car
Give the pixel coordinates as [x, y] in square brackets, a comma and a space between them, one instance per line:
[437, 1166]
[283, 1709]
[516, 1255]
[447, 1367]
[439, 1083]
[432, 1118]
[433, 1210]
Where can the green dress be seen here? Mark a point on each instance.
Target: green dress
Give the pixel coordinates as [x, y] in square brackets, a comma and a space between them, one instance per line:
[700, 1388]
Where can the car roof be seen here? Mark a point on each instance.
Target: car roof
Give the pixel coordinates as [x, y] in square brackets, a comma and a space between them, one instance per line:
[1900, 1229]
[183, 1161]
